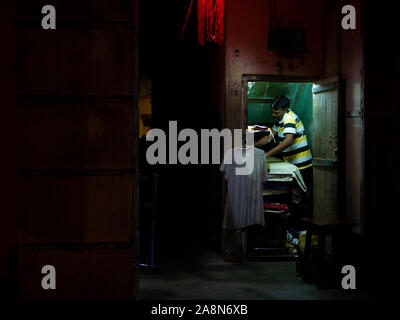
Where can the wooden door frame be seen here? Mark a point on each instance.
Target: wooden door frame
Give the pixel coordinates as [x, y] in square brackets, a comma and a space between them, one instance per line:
[340, 85]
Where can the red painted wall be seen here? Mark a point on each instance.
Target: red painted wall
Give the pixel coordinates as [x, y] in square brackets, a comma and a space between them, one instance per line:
[247, 26]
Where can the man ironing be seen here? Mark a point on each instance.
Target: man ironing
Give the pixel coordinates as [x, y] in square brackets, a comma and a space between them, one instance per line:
[290, 133]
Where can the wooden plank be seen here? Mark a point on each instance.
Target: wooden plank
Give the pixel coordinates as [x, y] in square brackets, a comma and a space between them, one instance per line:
[78, 10]
[323, 162]
[63, 209]
[59, 98]
[77, 148]
[81, 273]
[325, 197]
[75, 135]
[75, 62]
[325, 126]
[272, 192]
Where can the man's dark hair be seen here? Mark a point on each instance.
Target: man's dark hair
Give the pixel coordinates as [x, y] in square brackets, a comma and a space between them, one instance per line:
[280, 102]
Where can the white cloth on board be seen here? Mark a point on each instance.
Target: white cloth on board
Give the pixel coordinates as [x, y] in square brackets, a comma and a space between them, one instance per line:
[285, 171]
[244, 202]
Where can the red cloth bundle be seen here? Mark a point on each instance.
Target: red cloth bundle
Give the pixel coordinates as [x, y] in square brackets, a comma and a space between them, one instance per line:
[210, 21]
[280, 206]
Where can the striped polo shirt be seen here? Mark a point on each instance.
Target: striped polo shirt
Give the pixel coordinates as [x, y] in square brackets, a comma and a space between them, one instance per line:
[298, 153]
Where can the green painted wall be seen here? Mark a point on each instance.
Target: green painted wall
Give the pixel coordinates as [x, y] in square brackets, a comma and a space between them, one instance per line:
[299, 94]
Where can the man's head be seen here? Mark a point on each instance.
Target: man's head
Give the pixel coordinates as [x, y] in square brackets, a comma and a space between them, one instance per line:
[279, 107]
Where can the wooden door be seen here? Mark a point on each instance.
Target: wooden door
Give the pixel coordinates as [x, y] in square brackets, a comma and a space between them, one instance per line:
[77, 148]
[326, 147]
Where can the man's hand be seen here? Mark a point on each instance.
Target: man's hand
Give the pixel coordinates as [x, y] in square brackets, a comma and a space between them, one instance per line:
[282, 146]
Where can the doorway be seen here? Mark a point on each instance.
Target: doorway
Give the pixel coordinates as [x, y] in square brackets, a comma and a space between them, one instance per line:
[317, 102]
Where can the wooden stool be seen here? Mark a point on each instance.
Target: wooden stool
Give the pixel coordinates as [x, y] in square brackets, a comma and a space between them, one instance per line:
[319, 268]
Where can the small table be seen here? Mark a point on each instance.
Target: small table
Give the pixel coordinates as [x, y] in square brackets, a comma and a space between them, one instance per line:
[329, 226]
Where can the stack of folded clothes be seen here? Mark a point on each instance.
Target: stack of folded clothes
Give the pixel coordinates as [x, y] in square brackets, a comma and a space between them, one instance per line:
[276, 208]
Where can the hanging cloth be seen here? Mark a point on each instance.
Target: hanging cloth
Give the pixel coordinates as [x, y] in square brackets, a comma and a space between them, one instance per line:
[213, 21]
[187, 18]
[201, 21]
[210, 21]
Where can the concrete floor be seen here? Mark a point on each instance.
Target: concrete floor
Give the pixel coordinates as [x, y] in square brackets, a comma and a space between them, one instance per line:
[203, 274]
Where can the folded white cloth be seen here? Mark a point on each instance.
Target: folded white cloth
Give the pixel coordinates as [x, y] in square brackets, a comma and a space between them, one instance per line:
[285, 171]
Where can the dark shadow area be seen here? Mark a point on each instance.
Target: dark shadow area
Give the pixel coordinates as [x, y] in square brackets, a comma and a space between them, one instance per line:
[181, 74]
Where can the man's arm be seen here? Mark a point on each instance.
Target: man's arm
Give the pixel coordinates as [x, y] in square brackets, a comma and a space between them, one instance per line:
[289, 137]
[265, 140]
[262, 141]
